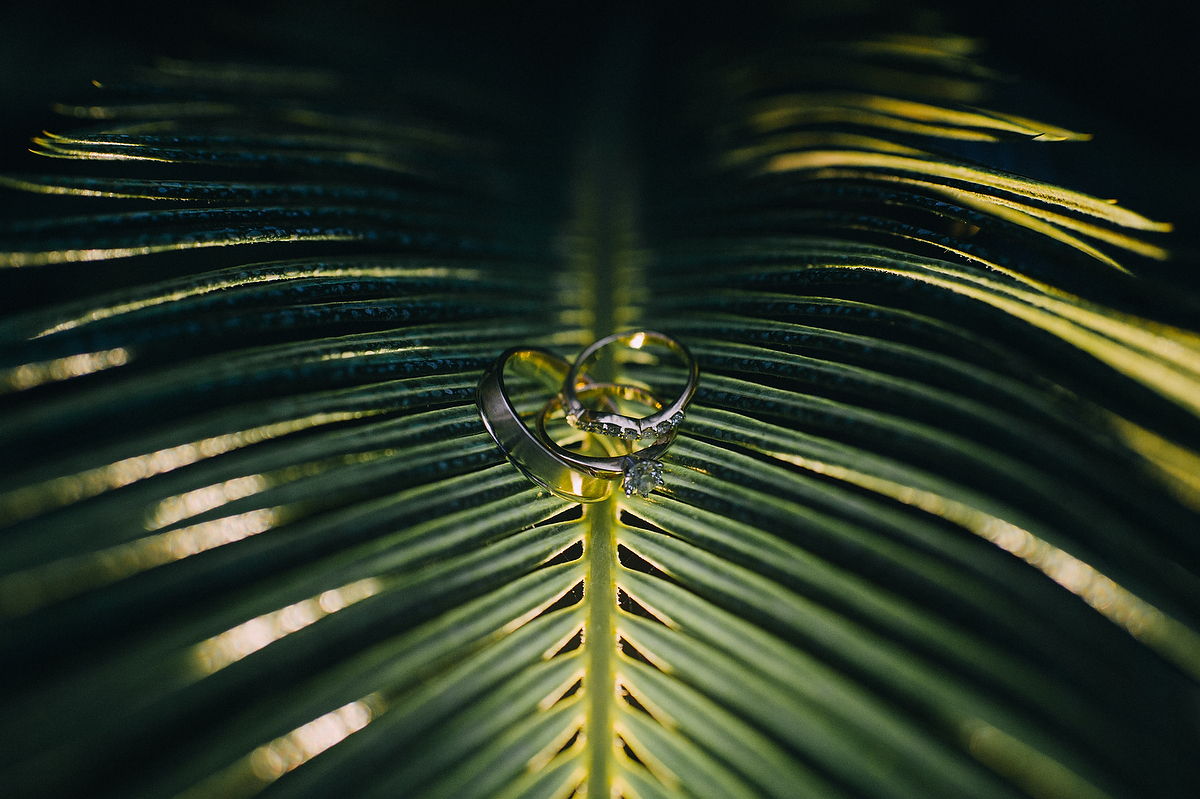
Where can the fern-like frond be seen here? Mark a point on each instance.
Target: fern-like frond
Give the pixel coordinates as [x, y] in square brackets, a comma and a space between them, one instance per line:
[928, 529]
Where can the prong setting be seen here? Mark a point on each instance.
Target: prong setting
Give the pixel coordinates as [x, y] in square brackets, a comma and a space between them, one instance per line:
[641, 476]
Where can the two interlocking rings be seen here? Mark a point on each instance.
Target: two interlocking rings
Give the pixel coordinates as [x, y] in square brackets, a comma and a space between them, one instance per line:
[578, 476]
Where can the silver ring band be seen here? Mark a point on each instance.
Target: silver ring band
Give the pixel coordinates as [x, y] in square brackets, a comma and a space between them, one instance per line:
[618, 425]
[603, 467]
[541, 465]
[641, 471]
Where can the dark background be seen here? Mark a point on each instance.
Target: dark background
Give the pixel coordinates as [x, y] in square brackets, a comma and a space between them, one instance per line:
[1126, 72]
[1123, 70]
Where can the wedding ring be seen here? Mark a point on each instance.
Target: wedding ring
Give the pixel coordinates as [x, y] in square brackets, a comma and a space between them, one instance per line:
[546, 467]
[579, 476]
[640, 471]
[618, 425]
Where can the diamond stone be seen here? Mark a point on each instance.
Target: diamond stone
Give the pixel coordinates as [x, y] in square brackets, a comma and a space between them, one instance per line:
[641, 477]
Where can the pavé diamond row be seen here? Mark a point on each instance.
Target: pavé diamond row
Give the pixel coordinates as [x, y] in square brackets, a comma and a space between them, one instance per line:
[628, 433]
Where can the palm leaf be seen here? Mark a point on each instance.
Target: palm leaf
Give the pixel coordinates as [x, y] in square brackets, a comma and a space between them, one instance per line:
[928, 529]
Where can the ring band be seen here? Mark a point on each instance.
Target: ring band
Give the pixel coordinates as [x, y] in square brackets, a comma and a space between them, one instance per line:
[640, 471]
[541, 465]
[618, 425]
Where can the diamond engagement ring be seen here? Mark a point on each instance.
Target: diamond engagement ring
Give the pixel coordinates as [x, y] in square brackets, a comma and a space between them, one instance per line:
[618, 425]
[641, 471]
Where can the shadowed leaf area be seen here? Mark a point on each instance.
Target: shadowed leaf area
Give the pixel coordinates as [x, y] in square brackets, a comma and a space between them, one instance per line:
[929, 528]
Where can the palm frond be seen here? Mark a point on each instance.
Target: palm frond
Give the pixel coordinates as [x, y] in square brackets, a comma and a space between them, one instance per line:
[928, 529]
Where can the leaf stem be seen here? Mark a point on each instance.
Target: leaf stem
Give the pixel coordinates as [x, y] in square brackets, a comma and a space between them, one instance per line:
[601, 644]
